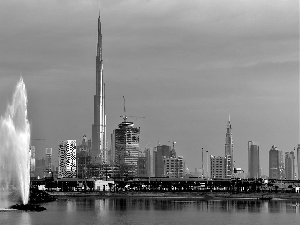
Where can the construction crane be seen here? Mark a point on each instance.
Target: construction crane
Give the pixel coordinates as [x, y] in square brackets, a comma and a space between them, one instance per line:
[173, 152]
[147, 145]
[126, 117]
[143, 151]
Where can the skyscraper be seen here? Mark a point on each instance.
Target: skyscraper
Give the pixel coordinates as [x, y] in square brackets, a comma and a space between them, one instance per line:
[125, 147]
[229, 151]
[98, 151]
[274, 171]
[149, 154]
[48, 162]
[67, 159]
[281, 165]
[32, 161]
[162, 151]
[253, 160]
[289, 165]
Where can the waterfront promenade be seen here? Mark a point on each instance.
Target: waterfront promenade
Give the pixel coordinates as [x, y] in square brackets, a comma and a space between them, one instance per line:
[188, 195]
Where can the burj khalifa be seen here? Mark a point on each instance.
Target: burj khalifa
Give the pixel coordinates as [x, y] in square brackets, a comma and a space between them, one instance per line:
[99, 147]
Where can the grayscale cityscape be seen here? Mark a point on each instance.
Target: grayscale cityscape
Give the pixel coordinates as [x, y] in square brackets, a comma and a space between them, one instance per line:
[146, 106]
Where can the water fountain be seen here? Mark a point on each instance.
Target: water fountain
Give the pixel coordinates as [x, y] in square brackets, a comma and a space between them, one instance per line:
[14, 147]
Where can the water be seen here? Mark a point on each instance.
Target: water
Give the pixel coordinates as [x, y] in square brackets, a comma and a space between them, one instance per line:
[150, 211]
[14, 147]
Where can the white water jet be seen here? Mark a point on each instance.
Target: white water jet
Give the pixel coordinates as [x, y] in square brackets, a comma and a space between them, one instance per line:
[15, 146]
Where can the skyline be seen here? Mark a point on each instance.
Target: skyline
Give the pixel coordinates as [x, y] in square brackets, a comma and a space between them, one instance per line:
[183, 66]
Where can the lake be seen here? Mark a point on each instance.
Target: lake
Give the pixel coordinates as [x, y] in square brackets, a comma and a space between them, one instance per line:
[96, 210]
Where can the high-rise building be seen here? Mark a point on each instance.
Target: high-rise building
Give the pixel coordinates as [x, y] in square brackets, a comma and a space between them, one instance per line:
[85, 145]
[125, 147]
[217, 167]
[99, 147]
[162, 151]
[274, 170]
[40, 168]
[67, 159]
[289, 165]
[150, 162]
[281, 165]
[84, 159]
[298, 160]
[142, 167]
[253, 160]
[229, 151]
[32, 161]
[48, 162]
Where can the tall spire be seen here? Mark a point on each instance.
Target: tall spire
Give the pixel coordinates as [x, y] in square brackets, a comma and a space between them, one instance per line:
[229, 150]
[99, 8]
[229, 125]
[99, 127]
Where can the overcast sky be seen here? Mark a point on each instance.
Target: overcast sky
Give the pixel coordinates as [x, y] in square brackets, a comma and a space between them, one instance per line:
[185, 65]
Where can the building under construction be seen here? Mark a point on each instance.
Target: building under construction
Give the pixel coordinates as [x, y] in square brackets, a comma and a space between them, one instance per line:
[125, 147]
[125, 150]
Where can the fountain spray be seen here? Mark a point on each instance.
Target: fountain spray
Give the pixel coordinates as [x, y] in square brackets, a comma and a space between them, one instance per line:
[15, 145]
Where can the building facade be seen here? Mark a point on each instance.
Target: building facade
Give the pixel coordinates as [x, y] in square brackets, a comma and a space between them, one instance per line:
[162, 151]
[150, 162]
[125, 147]
[253, 160]
[40, 168]
[229, 151]
[32, 161]
[173, 167]
[289, 165]
[274, 171]
[67, 159]
[142, 167]
[99, 146]
[84, 165]
[281, 165]
[48, 162]
[217, 167]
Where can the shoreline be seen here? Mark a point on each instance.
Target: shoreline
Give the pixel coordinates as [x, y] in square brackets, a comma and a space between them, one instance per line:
[185, 195]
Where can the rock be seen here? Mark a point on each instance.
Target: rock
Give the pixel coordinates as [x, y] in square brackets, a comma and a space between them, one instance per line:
[28, 207]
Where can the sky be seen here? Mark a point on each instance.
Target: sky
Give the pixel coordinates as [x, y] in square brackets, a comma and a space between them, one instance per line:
[183, 65]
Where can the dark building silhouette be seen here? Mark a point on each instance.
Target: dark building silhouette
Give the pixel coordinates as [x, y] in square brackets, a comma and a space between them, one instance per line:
[162, 151]
[142, 167]
[274, 163]
[289, 165]
[40, 168]
[253, 160]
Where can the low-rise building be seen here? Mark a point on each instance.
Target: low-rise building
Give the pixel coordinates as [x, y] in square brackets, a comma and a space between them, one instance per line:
[173, 167]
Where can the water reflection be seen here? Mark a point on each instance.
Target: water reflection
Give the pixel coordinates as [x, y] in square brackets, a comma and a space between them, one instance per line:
[98, 210]
[25, 218]
[164, 204]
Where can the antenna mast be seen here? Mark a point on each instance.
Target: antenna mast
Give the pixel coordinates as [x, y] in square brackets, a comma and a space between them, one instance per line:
[124, 117]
